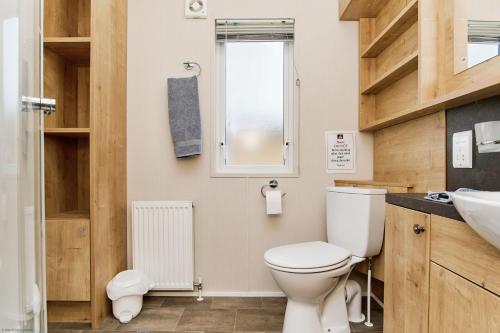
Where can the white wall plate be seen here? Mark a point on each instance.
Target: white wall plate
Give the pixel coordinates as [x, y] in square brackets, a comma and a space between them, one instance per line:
[196, 9]
[462, 150]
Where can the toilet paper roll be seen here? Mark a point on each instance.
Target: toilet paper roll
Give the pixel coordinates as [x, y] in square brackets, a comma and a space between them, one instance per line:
[273, 202]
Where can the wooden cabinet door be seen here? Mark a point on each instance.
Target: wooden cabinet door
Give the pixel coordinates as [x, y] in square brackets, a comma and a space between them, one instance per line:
[406, 294]
[68, 259]
[459, 306]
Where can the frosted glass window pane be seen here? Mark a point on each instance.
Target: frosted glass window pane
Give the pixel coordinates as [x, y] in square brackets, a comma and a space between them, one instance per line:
[254, 103]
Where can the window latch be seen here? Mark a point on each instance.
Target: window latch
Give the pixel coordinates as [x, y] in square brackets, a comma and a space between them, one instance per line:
[285, 150]
[222, 146]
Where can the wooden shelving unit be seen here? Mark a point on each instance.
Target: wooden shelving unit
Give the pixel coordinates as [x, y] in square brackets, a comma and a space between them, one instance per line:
[68, 132]
[401, 23]
[85, 142]
[373, 183]
[473, 92]
[395, 86]
[353, 10]
[74, 49]
[389, 61]
[403, 68]
[70, 215]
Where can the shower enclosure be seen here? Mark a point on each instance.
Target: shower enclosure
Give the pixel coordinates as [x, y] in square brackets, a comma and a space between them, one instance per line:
[22, 301]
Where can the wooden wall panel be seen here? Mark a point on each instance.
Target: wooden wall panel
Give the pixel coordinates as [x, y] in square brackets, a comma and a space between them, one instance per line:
[413, 152]
[401, 95]
[108, 148]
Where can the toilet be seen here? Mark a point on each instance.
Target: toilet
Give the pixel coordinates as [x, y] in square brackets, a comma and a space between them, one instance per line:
[313, 275]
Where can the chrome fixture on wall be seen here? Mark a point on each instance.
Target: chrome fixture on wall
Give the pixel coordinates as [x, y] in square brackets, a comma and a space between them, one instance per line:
[272, 184]
[189, 65]
[488, 136]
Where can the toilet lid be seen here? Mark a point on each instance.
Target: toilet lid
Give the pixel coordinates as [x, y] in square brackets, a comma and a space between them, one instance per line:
[306, 255]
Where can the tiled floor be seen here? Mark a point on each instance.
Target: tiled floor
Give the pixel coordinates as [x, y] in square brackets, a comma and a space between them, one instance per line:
[214, 315]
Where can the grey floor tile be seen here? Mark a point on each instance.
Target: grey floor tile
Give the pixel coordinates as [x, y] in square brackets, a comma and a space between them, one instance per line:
[153, 301]
[186, 303]
[377, 319]
[108, 324]
[255, 320]
[156, 319]
[214, 320]
[62, 330]
[69, 326]
[274, 303]
[236, 303]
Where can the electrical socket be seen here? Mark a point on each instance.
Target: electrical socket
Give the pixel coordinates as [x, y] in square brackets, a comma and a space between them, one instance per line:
[462, 150]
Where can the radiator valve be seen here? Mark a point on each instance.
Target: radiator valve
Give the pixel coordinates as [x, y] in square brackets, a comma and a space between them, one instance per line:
[199, 286]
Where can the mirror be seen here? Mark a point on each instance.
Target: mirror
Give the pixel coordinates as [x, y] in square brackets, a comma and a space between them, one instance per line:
[477, 32]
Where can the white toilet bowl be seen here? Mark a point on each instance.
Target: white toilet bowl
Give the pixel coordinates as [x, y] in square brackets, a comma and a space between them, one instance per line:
[313, 277]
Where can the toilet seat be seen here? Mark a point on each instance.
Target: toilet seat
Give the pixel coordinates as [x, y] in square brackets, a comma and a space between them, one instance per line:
[310, 257]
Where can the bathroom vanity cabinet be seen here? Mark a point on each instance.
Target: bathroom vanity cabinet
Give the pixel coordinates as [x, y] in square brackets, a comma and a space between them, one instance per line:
[85, 145]
[440, 276]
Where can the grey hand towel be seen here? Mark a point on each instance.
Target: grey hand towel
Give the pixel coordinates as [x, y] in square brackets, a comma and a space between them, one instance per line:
[184, 115]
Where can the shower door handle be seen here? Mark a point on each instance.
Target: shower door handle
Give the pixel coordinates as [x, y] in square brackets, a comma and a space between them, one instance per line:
[47, 105]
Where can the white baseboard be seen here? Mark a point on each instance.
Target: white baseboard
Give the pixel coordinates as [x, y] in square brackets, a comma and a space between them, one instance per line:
[219, 293]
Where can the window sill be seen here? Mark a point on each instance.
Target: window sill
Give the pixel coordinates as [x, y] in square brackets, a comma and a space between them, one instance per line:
[254, 175]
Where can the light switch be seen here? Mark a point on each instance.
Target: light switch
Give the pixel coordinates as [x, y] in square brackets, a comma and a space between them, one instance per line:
[462, 150]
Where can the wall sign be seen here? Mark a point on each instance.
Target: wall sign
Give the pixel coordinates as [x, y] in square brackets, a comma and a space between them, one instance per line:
[340, 151]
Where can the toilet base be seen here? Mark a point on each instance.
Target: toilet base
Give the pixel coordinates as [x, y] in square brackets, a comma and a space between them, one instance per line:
[302, 317]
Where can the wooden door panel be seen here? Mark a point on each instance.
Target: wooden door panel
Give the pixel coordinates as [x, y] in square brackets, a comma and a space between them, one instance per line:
[460, 306]
[68, 259]
[406, 271]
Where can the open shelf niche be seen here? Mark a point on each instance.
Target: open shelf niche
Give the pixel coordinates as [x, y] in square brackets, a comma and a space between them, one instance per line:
[389, 62]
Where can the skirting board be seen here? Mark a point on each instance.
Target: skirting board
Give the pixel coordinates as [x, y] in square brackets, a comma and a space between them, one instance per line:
[219, 293]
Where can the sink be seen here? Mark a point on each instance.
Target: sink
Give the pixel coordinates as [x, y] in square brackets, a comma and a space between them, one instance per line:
[481, 210]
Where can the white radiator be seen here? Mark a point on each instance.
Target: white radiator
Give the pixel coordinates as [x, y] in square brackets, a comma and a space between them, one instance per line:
[162, 242]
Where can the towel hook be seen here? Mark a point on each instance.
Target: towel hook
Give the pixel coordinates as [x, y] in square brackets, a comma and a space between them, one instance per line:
[189, 65]
[272, 184]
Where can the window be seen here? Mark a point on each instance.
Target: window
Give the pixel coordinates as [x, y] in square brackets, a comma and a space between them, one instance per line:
[255, 115]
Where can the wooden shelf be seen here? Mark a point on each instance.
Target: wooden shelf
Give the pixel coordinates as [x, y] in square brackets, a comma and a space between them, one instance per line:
[70, 215]
[401, 23]
[353, 10]
[74, 49]
[371, 183]
[472, 93]
[400, 70]
[68, 132]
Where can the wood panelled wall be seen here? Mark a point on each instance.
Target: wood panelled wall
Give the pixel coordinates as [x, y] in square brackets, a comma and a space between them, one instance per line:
[413, 152]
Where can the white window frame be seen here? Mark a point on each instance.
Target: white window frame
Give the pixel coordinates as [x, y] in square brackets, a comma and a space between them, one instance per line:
[290, 122]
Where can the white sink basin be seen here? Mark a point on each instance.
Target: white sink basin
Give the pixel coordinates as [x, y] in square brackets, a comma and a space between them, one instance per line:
[481, 210]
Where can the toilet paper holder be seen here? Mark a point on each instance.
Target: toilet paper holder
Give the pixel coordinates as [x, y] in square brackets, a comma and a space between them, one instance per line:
[272, 184]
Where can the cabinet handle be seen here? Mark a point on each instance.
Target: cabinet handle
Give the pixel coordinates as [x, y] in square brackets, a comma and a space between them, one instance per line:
[418, 229]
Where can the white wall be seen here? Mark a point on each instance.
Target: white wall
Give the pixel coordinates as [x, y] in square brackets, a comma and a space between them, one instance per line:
[232, 230]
